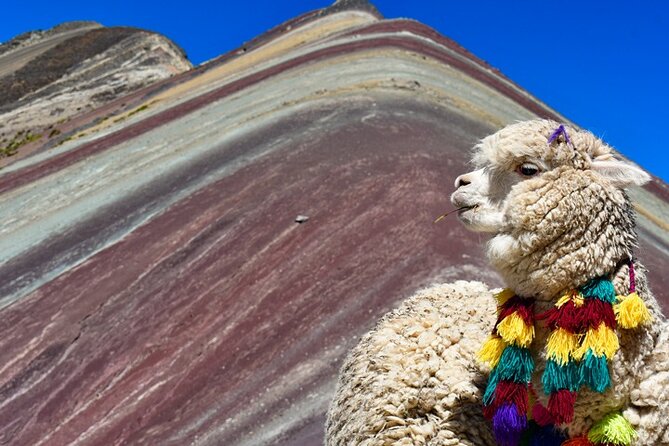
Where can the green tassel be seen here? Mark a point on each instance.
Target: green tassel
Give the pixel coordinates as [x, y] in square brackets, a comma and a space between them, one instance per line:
[595, 372]
[599, 288]
[614, 429]
[557, 377]
[489, 395]
[516, 364]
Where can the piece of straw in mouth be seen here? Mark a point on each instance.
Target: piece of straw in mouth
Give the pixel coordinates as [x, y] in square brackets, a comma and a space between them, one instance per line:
[442, 216]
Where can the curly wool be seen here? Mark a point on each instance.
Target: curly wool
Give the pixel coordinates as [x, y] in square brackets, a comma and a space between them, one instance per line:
[528, 139]
[414, 379]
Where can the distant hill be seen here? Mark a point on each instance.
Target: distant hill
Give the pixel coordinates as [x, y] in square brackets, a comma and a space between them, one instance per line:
[46, 77]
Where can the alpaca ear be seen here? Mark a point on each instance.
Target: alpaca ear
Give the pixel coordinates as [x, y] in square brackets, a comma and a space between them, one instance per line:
[620, 173]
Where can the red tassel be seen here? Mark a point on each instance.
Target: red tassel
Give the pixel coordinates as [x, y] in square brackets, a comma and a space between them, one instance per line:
[541, 416]
[550, 317]
[523, 307]
[579, 319]
[580, 441]
[561, 406]
[566, 317]
[489, 411]
[596, 311]
[508, 392]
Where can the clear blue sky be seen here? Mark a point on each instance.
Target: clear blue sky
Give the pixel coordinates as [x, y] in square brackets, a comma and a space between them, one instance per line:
[603, 64]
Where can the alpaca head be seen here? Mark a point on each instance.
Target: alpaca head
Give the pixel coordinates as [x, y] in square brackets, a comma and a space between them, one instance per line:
[553, 203]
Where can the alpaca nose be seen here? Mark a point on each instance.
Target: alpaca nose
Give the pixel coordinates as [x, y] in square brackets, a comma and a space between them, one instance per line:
[462, 180]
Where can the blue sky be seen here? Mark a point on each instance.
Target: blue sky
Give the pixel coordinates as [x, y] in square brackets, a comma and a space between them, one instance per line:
[602, 64]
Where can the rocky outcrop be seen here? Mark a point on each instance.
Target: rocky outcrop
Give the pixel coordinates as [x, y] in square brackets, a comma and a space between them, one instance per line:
[46, 39]
[48, 77]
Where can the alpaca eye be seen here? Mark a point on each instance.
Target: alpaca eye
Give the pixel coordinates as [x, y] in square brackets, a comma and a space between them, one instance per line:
[527, 169]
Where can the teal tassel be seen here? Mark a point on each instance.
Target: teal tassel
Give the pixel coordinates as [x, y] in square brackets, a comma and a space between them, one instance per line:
[489, 395]
[515, 364]
[595, 372]
[557, 377]
[599, 288]
[553, 379]
[576, 375]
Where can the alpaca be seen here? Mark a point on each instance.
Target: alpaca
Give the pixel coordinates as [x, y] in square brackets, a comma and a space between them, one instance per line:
[551, 198]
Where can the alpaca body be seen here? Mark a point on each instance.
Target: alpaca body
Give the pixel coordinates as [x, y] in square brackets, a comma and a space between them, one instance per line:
[552, 201]
[414, 379]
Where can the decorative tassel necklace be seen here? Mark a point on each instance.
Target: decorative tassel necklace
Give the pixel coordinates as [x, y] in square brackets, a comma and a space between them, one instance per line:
[581, 343]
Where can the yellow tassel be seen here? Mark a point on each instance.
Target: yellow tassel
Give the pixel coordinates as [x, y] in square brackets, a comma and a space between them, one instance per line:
[563, 300]
[608, 340]
[601, 340]
[504, 295]
[561, 345]
[514, 331]
[578, 300]
[631, 311]
[573, 296]
[492, 351]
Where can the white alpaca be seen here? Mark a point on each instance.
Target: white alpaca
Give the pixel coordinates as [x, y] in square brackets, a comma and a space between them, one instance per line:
[557, 216]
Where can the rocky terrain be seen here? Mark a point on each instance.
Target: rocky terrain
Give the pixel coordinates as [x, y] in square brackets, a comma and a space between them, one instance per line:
[48, 77]
[161, 283]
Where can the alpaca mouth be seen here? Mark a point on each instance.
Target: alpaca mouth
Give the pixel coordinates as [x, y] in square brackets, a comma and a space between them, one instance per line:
[461, 210]
[464, 209]
[466, 215]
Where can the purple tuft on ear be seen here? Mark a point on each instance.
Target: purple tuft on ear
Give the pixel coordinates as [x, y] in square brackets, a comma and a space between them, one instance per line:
[559, 131]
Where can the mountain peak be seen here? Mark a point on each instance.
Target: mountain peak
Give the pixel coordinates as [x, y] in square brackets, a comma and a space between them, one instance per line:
[49, 76]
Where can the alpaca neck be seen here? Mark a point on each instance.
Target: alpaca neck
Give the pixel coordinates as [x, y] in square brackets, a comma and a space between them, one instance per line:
[557, 265]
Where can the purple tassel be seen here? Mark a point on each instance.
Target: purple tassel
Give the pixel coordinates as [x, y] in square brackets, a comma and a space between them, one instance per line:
[559, 131]
[508, 425]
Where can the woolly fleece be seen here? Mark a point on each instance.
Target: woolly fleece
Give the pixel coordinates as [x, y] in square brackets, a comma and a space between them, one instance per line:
[415, 379]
